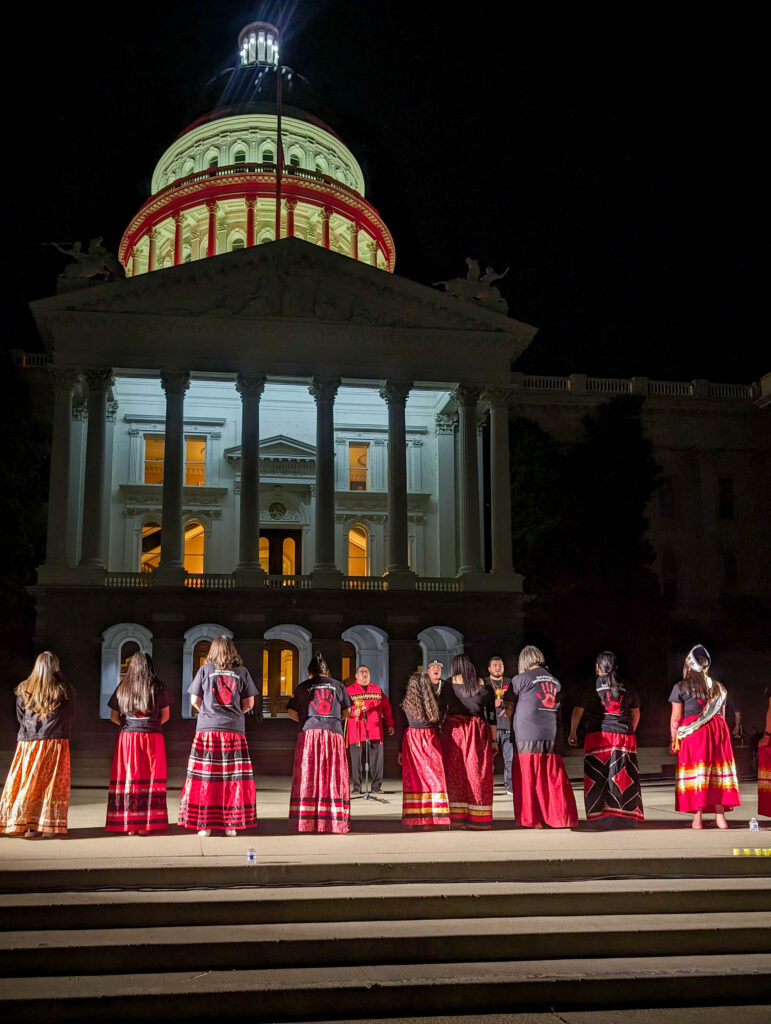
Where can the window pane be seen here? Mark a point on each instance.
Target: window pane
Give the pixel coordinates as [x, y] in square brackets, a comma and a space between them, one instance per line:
[194, 543]
[265, 672]
[287, 673]
[127, 652]
[195, 461]
[264, 554]
[151, 547]
[357, 466]
[154, 460]
[357, 551]
[200, 651]
[288, 556]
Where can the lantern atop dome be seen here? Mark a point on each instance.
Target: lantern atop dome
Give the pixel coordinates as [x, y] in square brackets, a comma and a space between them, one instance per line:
[258, 44]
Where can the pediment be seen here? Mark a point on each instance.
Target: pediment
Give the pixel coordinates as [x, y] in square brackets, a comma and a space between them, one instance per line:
[287, 279]
[282, 447]
[279, 454]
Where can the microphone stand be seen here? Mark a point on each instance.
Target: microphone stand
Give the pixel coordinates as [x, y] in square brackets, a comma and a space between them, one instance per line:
[367, 793]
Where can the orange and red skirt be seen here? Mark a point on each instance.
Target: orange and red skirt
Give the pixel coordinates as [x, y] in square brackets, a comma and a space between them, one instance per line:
[36, 796]
[320, 798]
[612, 777]
[706, 770]
[424, 799]
[542, 792]
[764, 781]
[136, 801]
[219, 785]
[468, 768]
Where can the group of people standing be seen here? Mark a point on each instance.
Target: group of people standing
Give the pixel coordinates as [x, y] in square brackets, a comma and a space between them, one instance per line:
[451, 729]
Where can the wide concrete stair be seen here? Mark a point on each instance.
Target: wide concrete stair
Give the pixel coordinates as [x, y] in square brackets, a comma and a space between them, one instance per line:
[303, 950]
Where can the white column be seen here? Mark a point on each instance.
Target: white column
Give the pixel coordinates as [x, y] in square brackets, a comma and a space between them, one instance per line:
[445, 494]
[250, 387]
[325, 570]
[92, 544]
[468, 485]
[500, 481]
[171, 570]
[394, 393]
[59, 477]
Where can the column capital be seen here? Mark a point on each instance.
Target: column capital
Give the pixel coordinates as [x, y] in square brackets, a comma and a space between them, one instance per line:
[99, 378]
[63, 380]
[444, 424]
[177, 216]
[251, 202]
[250, 385]
[498, 397]
[291, 202]
[326, 212]
[394, 392]
[355, 227]
[175, 382]
[324, 389]
[211, 205]
[465, 395]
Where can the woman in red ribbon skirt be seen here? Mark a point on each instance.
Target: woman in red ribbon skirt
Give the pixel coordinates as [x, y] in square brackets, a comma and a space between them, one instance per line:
[424, 790]
[320, 799]
[706, 772]
[468, 745]
[136, 801]
[542, 792]
[219, 784]
[36, 794]
[611, 712]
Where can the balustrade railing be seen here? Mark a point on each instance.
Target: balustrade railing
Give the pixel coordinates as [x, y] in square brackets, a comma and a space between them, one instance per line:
[276, 581]
[546, 383]
[730, 391]
[669, 389]
[265, 168]
[364, 583]
[435, 585]
[128, 579]
[210, 581]
[608, 385]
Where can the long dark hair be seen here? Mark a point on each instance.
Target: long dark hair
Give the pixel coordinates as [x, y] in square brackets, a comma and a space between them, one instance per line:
[606, 663]
[694, 683]
[464, 667]
[140, 688]
[44, 689]
[419, 699]
[317, 666]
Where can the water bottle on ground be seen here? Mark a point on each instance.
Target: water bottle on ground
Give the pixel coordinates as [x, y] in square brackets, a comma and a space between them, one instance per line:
[251, 857]
[754, 826]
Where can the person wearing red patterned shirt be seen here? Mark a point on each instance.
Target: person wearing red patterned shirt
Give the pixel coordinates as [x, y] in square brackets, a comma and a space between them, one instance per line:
[370, 708]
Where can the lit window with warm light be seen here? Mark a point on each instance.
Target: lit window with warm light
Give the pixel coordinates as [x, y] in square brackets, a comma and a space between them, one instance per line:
[150, 556]
[194, 545]
[195, 461]
[357, 466]
[358, 551]
[154, 447]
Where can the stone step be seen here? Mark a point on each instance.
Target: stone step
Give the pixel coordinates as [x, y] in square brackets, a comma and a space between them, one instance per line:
[467, 987]
[366, 943]
[392, 902]
[221, 872]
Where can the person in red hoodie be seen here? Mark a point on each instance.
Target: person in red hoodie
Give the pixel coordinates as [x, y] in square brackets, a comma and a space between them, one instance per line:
[370, 708]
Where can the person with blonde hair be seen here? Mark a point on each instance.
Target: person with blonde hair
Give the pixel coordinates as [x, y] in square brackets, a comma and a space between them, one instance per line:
[36, 794]
[542, 792]
[136, 800]
[219, 784]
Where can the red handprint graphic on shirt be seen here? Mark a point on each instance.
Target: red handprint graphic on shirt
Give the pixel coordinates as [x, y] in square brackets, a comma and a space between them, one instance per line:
[612, 707]
[224, 688]
[548, 694]
[322, 701]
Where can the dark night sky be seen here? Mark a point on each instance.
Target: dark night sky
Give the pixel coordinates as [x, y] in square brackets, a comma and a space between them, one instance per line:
[613, 162]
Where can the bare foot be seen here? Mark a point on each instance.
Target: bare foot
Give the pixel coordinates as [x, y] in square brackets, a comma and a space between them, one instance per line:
[697, 822]
[720, 821]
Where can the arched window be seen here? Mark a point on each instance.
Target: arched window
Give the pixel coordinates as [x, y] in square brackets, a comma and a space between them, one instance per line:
[321, 165]
[194, 546]
[200, 651]
[151, 547]
[213, 161]
[289, 556]
[127, 652]
[237, 243]
[268, 156]
[239, 157]
[358, 551]
[347, 662]
[294, 160]
[266, 235]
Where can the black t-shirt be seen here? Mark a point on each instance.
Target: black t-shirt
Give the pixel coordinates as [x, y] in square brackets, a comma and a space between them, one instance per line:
[691, 705]
[479, 705]
[319, 703]
[55, 726]
[221, 691]
[536, 696]
[501, 684]
[137, 722]
[604, 714]
[417, 723]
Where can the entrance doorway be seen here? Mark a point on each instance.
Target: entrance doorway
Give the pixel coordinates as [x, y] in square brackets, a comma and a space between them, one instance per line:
[281, 552]
[280, 676]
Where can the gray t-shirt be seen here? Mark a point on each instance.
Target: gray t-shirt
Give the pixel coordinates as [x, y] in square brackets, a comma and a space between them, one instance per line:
[221, 691]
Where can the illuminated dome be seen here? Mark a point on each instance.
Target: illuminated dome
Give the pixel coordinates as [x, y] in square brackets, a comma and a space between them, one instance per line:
[215, 188]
